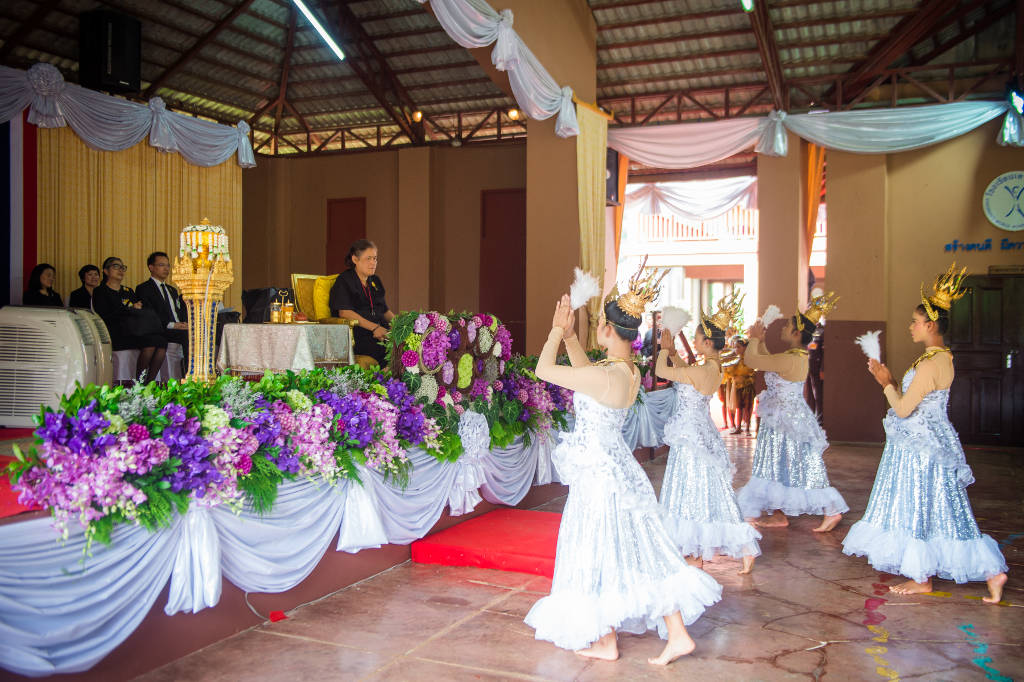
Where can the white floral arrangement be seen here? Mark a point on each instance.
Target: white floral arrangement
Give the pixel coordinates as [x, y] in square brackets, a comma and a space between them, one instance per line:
[204, 238]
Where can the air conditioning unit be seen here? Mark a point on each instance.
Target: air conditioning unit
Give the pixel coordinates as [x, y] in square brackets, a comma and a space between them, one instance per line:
[43, 353]
[103, 348]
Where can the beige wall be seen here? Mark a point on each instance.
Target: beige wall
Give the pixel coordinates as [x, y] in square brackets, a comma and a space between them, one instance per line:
[422, 210]
[563, 36]
[782, 271]
[458, 177]
[890, 218]
[935, 197]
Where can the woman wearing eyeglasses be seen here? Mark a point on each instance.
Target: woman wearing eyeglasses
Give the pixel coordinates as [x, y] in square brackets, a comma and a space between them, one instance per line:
[130, 325]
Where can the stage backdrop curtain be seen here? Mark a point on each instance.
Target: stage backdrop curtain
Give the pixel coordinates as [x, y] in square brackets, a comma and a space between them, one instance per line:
[695, 200]
[815, 171]
[474, 23]
[113, 124]
[95, 204]
[591, 165]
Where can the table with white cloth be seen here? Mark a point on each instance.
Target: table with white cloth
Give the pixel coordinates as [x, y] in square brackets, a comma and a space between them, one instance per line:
[278, 347]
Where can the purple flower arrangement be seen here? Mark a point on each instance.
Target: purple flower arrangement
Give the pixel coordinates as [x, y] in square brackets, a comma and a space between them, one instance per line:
[112, 456]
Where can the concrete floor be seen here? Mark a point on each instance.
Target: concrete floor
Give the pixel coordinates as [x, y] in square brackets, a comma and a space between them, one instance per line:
[807, 612]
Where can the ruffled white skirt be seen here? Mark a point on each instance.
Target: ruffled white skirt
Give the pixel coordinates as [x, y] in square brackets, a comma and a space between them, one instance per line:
[616, 568]
[700, 509]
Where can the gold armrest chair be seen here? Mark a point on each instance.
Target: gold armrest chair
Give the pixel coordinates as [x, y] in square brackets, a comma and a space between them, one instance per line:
[305, 288]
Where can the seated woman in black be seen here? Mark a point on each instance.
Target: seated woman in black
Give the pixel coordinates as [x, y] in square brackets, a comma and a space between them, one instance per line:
[82, 296]
[130, 325]
[358, 294]
[40, 287]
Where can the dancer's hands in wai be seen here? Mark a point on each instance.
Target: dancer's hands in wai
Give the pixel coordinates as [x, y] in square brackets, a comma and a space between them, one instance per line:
[562, 319]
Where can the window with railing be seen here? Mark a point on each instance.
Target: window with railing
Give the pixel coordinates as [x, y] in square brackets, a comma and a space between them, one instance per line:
[738, 224]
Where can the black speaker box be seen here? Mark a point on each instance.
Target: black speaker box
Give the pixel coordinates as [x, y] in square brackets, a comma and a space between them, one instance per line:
[109, 51]
[611, 179]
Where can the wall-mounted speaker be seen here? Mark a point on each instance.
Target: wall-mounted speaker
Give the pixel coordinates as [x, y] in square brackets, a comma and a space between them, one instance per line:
[611, 179]
[109, 51]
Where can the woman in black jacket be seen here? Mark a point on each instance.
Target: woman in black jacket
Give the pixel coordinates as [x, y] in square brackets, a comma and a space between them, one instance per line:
[40, 288]
[82, 296]
[130, 325]
[358, 294]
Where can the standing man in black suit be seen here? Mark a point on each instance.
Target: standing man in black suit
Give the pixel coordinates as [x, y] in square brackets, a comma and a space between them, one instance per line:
[163, 298]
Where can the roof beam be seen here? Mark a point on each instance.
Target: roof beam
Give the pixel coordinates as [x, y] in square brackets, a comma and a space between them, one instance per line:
[769, 50]
[196, 47]
[26, 27]
[989, 19]
[901, 39]
[373, 69]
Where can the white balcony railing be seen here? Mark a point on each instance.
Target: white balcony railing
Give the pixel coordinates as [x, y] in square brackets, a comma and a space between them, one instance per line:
[739, 224]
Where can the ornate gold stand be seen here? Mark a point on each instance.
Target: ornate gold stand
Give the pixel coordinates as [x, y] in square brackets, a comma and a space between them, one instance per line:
[202, 284]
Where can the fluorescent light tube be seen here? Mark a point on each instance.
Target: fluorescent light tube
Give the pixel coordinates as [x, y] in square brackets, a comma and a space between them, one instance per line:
[320, 29]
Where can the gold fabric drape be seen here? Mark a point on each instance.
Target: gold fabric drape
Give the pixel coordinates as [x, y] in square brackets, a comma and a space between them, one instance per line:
[591, 163]
[95, 204]
[815, 171]
[621, 208]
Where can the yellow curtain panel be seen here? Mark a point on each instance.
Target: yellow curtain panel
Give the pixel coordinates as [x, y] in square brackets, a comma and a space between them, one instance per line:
[95, 204]
[591, 166]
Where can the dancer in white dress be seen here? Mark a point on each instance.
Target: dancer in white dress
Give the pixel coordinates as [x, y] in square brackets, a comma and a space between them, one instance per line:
[788, 475]
[616, 568]
[918, 521]
[696, 494]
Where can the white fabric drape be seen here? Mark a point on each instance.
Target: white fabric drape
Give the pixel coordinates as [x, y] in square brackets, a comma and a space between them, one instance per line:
[868, 131]
[696, 200]
[62, 613]
[474, 23]
[688, 145]
[883, 131]
[113, 124]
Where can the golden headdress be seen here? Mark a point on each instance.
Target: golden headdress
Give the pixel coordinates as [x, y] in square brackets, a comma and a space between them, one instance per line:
[947, 288]
[728, 311]
[819, 307]
[643, 288]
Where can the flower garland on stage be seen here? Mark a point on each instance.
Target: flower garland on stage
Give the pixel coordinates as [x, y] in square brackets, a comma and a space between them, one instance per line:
[141, 454]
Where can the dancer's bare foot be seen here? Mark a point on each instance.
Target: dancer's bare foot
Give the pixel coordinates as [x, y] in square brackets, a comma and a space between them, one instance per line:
[776, 520]
[911, 587]
[695, 561]
[828, 523]
[995, 589]
[748, 565]
[734, 432]
[675, 648]
[604, 649]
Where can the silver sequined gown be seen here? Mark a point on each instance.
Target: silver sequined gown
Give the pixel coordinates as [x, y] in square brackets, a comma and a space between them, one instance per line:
[788, 471]
[615, 564]
[919, 522]
[700, 506]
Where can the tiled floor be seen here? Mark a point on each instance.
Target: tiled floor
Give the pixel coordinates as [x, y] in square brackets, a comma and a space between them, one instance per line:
[807, 612]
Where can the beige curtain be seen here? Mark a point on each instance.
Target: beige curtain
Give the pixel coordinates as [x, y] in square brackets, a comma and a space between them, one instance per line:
[591, 145]
[95, 204]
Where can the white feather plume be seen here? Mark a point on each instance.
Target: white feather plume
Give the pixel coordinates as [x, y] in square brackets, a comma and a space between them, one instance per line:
[583, 288]
[870, 344]
[674, 319]
[771, 314]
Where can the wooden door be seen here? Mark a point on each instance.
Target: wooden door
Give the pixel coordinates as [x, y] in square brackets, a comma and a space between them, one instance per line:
[503, 260]
[986, 335]
[346, 222]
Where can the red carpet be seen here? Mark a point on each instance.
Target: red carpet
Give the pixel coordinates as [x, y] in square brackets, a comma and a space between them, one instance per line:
[15, 434]
[506, 539]
[8, 498]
